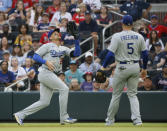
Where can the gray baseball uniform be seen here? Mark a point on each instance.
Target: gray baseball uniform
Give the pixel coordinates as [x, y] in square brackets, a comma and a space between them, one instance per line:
[49, 81]
[127, 47]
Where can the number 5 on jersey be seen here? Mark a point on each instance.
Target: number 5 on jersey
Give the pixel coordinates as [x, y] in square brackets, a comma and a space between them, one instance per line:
[130, 48]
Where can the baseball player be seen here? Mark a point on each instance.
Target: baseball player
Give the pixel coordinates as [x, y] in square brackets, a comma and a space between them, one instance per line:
[50, 56]
[127, 47]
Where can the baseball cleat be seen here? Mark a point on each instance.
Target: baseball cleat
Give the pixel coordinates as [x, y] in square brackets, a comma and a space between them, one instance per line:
[18, 119]
[69, 120]
[109, 123]
[138, 124]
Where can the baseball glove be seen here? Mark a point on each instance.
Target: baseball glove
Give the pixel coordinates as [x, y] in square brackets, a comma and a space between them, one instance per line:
[100, 76]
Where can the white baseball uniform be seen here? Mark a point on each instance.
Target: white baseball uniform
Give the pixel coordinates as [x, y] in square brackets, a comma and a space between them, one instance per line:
[127, 47]
[50, 81]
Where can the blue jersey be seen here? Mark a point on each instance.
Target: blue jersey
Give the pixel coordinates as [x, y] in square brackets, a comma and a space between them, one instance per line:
[7, 78]
[134, 8]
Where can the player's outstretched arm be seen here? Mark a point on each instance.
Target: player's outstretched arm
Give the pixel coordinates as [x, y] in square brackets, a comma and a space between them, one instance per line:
[77, 51]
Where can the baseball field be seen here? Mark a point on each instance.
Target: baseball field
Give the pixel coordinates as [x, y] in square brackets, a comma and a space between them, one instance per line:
[82, 127]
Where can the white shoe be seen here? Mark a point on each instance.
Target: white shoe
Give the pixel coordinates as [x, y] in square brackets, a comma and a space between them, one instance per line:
[138, 124]
[109, 122]
[68, 120]
[18, 119]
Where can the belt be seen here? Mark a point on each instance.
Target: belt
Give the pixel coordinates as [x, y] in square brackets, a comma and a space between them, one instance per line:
[128, 62]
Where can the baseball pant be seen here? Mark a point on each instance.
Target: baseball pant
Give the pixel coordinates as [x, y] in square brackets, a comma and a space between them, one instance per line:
[129, 75]
[49, 82]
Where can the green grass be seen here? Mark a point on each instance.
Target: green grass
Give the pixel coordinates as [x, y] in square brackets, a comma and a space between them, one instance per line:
[82, 127]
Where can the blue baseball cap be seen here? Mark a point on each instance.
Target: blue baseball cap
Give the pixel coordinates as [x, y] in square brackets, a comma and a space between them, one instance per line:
[154, 16]
[127, 20]
[51, 32]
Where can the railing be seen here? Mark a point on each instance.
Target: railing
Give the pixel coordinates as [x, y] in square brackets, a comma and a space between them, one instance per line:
[103, 33]
[83, 42]
[9, 88]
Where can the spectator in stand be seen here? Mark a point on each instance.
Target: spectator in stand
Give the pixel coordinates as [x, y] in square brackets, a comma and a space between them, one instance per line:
[17, 52]
[26, 48]
[89, 65]
[63, 25]
[27, 4]
[6, 77]
[18, 14]
[28, 65]
[95, 5]
[89, 27]
[29, 68]
[59, 15]
[96, 87]
[44, 38]
[36, 87]
[74, 86]
[4, 46]
[5, 5]
[61, 75]
[79, 16]
[18, 71]
[135, 9]
[160, 81]
[6, 32]
[7, 57]
[104, 18]
[165, 19]
[28, 16]
[43, 26]
[155, 26]
[153, 39]
[23, 35]
[73, 73]
[53, 9]
[145, 85]
[87, 85]
[74, 5]
[36, 15]
[143, 30]
[2, 21]
[159, 55]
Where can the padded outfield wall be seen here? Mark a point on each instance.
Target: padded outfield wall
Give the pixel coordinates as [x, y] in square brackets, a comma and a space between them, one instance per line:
[86, 106]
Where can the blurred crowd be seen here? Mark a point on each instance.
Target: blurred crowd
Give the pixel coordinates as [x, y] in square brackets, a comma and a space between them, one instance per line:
[24, 26]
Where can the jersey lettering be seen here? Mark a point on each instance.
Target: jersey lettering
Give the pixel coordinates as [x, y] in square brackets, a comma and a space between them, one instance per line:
[53, 53]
